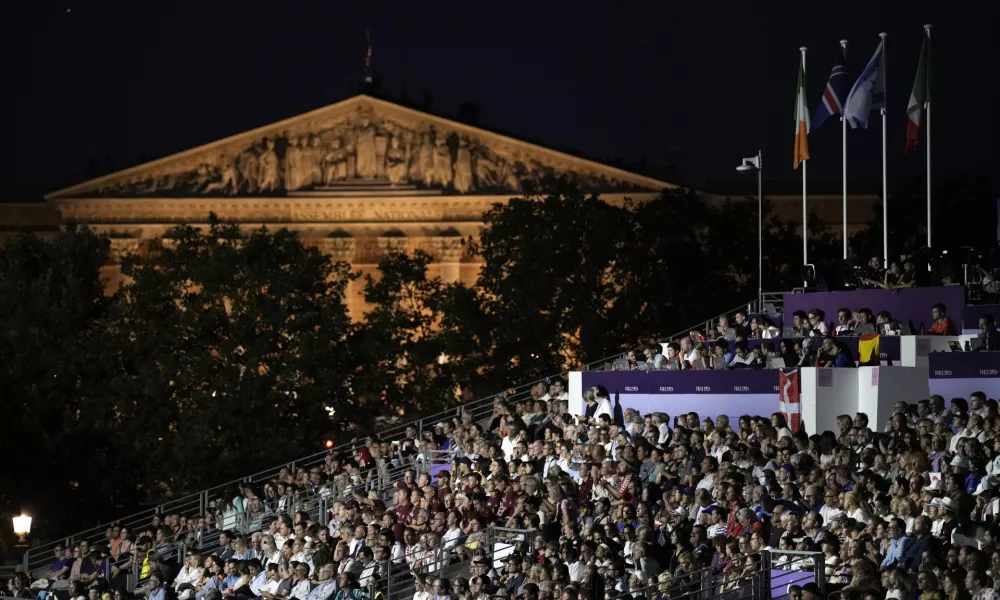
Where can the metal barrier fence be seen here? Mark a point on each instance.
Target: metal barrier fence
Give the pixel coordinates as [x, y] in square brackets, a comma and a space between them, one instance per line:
[401, 580]
[760, 576]
[196, 505]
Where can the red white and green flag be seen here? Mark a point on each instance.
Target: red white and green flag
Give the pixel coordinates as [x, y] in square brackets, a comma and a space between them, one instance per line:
[918, 98]
[801, 118]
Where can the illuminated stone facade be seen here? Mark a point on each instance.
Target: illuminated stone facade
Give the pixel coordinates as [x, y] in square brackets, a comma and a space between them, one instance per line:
[359, 178]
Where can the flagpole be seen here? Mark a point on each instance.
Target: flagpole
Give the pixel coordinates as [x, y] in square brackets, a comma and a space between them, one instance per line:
[927, 28]
[843, 144]
[885, 176]
[805, 227]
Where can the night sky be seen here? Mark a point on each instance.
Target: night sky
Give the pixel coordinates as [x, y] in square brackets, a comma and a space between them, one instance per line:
[692, 85]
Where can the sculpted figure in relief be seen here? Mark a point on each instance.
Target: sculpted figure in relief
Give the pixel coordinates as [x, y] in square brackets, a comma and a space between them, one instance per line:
[314, 164]
[268, 180]
[442, 162]
[426, 159]
[294, 168]
[249, 167]
[395, 162]
[366, 166]
[335, 162]
[229, 179]
[463, 168]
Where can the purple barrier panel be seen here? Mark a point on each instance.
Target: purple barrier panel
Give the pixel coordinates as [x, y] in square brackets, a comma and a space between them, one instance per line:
[958, 374]
[912, 304]
[712, 393]
[971, 314]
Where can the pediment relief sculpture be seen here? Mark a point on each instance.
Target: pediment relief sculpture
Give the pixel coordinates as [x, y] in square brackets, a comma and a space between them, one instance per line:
[360, 142]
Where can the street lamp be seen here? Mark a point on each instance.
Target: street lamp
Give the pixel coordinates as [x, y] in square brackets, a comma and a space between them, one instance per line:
[756, 163]
[22, 527]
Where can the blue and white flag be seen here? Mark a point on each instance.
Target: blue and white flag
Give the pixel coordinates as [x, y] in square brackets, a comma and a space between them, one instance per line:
[832, 102]
[868, 92]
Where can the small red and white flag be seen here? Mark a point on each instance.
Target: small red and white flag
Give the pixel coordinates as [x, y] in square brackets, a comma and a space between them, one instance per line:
[788, 394]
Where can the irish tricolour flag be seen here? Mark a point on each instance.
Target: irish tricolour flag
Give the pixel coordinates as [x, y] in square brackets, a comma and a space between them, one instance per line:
[801, 118]
[915, 107]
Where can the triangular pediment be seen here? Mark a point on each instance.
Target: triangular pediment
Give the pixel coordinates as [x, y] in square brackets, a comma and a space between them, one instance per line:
[362, 146]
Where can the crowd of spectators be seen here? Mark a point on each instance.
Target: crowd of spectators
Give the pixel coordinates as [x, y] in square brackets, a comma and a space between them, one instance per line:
[807, 340]
[652, 507]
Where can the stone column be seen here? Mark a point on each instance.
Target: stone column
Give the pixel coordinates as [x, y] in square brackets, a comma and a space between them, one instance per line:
[449, 253]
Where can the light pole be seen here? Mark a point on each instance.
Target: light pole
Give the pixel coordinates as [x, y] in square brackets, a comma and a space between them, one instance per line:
[756, 163]
[22, 527]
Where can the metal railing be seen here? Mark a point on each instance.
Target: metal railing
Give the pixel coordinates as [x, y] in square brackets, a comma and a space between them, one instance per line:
[400, 581]
[760, 576]
[197, 504]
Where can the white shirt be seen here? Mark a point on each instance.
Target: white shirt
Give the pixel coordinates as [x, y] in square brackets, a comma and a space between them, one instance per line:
[270, 587]
[507, 445]
[664, 433]
[451, 538]
[187, 575]
[828, 513]
[604, 408]
[258, 583]
[552, 460]
[567, 466]
[301, 590]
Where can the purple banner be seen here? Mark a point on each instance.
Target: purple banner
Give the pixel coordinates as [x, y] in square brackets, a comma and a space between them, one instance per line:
[912, 304]
[740, 381]
[958, 374]
[713, 393]
[964, 365]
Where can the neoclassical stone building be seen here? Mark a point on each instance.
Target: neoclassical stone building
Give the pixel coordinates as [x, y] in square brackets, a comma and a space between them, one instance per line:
[357, 178]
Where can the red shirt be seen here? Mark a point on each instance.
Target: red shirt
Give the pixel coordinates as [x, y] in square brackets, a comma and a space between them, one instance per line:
[945, 327]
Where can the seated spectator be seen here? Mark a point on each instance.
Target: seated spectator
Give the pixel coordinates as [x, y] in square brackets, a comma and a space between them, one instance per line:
[834, 355]
[845, 322]
[786, 349]
[761, 328]
[863, 323]
[743, 358]
[741, 326]
[989, 338]
[654, 360]
[817, 324]
[886, 325]
[686, 349]
[721, 354]
[800, 324]
[942, 324]
[672, 361]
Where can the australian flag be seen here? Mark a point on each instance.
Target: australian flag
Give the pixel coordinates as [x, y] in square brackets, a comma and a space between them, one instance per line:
[832, 102]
